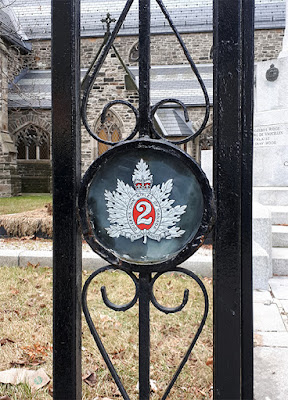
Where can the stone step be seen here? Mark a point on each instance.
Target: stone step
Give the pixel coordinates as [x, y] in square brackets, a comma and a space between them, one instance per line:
[271, 196]
[280, 261]
[279, 236]
[279, 214]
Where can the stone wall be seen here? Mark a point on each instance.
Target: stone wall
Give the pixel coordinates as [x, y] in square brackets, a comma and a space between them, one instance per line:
[12, 63]
[40, 56]
[268, 44]
[10, 184]
[19, 118]
[109, 86]
[9, 179]
[16, 63]
[35, 176]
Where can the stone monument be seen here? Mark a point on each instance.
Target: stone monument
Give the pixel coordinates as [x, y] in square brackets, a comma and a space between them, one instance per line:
[270, 168]
[271, 120]
[270, 175]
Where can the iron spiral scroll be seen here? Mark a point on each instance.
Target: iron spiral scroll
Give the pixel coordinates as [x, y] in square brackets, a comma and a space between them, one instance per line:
[129, 305]
[152, 109]
[150, 155]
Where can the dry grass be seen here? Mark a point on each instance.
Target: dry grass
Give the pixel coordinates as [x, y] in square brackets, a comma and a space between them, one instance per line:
[28, 224]
[26, 216]
[26, 319]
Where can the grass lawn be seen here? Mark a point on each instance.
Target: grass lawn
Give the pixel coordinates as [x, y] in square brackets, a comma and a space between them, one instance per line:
[11, 205]
[26, 335]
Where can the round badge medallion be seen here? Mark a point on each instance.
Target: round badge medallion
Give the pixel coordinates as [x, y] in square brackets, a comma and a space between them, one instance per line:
[145, 203]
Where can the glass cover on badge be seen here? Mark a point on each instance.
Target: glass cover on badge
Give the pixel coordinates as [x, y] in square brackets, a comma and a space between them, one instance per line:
[145, 208]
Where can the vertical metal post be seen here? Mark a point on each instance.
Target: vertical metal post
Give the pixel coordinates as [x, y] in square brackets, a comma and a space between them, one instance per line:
[247, 374]
[233, 66]
[144, 130]
[144, 67]
[66, 179]
[144, 335]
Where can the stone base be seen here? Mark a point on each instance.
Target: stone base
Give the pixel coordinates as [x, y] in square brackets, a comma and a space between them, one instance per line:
[261, 268]
[10, 184]
[35, 176]
[271, 196]
[276, 200]
[262, 234]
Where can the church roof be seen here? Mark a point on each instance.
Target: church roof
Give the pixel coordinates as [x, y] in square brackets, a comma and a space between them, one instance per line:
[172, 123]
[178, 81]
[188, 16]
[33, 88]
[9, 29]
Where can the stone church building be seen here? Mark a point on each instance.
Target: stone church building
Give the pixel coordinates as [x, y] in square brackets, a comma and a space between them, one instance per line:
[25, 76]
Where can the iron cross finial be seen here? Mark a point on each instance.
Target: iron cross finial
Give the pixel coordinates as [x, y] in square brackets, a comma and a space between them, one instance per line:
[108, 21]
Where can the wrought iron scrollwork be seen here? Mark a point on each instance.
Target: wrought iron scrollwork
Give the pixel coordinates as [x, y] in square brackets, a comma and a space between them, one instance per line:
[177, 309]
[97, 67]
[114, 307]
[123, 307]
[145, 281]
[103, 116]
[158, 306]
[186, 116]
[154, 108]
[196, 72]
[168, 310]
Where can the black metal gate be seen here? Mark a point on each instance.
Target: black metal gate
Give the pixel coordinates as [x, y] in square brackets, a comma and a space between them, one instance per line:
[233, 107]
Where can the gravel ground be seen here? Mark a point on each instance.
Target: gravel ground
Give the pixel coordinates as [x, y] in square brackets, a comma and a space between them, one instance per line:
[44, 244]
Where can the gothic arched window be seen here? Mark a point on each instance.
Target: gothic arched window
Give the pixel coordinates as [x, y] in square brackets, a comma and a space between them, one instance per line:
[134, 53]
[32, 143]
[211, 53]
[109, 131]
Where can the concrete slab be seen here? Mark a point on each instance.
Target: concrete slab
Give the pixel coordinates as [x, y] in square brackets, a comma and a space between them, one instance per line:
[271, 339]
[279, 236]
[270, 373]
[91, 261]
[262, 296]
[261, 268]
[279, 214]
[271, 195]
[279, 287]
[9, 258]
[44, 258]
[285, 305]
[267, 318]
[200, 265]
[280, 261]
[262, 234]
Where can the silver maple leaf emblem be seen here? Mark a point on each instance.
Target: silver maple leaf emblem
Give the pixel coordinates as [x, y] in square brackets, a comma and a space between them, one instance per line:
[145, 210]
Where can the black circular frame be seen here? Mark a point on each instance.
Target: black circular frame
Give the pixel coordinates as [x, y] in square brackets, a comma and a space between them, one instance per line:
[189, 247]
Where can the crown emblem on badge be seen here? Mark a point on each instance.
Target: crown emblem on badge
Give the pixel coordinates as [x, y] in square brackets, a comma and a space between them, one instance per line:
[142, 178]
[144, 211]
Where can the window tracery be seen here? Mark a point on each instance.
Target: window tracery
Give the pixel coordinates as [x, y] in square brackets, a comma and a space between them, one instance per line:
[109, 131]
[211, 53]
[33, 143]
[134, 53]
